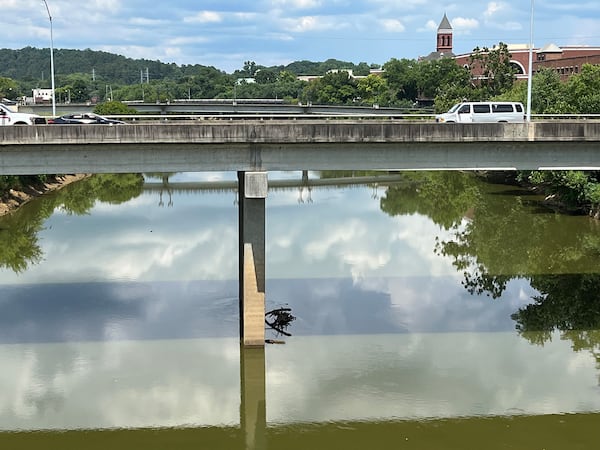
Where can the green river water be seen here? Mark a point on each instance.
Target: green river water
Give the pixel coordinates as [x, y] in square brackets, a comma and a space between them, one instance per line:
[433, 311]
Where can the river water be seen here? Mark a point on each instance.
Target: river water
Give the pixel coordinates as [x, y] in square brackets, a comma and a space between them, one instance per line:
[432, 310]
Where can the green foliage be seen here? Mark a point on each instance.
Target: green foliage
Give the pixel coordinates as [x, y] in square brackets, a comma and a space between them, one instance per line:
[373, 89]
[436, 77]
[547, 94]
[583, 90]
[19, 243]
[8, 182]
[497, 73]
[334, 88]
[540, 246]
[265, 76]
[9, 88]
[113, 107]
[567, 302]
[19, 246]
[83, 75]
[320, 68]
[574, 190]
[401, 77]
[445, 197]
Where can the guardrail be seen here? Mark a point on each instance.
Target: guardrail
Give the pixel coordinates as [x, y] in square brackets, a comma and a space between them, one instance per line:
[320, 117]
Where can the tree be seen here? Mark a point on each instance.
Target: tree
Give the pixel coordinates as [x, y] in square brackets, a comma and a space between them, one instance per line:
[435, 77]
[495, 73]
[583, 90]
[548, 95]
[265, 76]
[335, 88]
[249, 68]
[113, 107]
[373, 89]
[9, 88]
[401, 79]
[575, 190]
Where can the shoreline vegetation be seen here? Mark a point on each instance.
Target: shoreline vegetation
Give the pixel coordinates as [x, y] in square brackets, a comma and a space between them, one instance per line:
[13, 198]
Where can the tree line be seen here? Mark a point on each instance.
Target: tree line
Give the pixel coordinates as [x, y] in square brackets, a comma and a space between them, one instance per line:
[87, 75]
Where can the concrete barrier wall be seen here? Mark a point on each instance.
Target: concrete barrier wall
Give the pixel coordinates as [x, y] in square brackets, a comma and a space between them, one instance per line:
[291, 131]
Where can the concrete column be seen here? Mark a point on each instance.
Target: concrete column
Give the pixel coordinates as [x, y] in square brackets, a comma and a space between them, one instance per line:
[253, 410]
[252, 195]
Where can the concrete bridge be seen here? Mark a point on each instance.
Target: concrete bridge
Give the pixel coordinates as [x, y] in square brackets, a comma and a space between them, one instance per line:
[253, 147]
[220, 107]
[270, 145]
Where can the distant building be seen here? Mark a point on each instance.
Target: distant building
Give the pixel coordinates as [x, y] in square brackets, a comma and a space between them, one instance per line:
[310, 78]
[566, 60]
[42, 95]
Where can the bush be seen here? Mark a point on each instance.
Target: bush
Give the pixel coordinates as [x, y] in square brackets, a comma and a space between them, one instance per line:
[113, 107]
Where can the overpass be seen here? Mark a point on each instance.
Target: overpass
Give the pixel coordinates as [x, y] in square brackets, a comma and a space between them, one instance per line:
[308, 144]
[218, 107]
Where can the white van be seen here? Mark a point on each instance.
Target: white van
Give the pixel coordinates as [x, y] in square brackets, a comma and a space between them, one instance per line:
[477, 112]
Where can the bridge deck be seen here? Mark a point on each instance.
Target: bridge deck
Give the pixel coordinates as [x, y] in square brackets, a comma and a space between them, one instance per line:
[298, 144]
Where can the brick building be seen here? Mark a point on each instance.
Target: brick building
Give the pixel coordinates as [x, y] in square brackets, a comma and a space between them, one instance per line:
[566, 60]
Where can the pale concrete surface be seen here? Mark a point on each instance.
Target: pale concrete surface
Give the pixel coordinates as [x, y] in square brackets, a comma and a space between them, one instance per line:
[255, 146]
[253, 304]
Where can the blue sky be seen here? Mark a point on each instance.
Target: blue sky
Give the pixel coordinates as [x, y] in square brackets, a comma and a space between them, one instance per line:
[225, 33]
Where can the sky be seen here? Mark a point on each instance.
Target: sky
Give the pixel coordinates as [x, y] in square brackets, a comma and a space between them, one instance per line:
[226, 33]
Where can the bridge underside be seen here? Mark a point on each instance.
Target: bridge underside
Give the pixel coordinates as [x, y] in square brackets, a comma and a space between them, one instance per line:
[402, 156]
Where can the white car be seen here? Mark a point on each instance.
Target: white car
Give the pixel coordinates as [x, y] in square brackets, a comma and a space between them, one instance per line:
[9, 117]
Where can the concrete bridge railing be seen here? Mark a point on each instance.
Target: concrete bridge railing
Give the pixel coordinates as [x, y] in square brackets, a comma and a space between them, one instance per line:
[298, 144]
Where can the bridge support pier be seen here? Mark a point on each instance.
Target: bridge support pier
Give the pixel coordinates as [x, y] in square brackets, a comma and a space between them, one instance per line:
[252, 188]
[253, 410]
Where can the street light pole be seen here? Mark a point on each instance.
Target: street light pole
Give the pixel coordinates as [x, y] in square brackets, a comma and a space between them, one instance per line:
[51, 59]
[530, 68]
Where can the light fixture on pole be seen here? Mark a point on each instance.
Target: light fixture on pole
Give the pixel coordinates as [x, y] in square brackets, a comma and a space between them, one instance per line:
[51, 59]
[530, 68]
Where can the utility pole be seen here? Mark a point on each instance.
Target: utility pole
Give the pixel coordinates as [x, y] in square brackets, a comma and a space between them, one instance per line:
[530, 67]
[51, 59]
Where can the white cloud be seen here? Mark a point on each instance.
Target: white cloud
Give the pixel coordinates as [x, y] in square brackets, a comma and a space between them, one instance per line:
[393, 25]
[188, 40]
[205, 17]
[431, 25]
[310, 23]
[297, 4]
[464, 25]
[494, 8]
[145, 22]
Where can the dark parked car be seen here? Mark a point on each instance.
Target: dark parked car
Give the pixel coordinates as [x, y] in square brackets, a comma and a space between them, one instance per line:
[83, 118]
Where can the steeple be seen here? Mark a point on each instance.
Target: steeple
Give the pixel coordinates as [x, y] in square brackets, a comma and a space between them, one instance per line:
[444, 36]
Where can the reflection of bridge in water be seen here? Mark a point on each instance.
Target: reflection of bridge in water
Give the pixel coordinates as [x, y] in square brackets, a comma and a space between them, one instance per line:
[303, 184]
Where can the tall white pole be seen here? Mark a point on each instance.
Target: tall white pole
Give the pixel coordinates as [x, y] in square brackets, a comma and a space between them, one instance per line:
[530, 68]
[51, 59]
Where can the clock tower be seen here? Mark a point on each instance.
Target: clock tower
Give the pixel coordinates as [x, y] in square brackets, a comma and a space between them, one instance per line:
[444, 36]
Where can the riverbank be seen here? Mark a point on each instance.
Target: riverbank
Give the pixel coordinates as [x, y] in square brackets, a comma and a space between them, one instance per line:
[10, 201]
[552, 197]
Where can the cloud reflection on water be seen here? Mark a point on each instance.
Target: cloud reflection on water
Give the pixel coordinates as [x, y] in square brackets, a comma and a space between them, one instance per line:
[131, 320]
